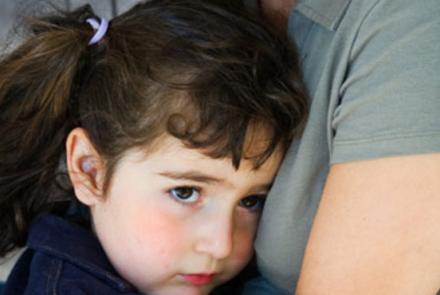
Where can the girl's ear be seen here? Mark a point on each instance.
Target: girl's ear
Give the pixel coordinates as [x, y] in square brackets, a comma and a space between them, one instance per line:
[85, 167]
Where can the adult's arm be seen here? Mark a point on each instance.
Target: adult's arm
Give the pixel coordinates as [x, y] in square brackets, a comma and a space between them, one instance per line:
[377, 229]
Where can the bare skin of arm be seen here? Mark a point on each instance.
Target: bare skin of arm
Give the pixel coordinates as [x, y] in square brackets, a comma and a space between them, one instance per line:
[377, 227]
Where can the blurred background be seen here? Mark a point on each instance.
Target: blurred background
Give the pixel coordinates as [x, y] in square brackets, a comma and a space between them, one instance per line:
[13, 11]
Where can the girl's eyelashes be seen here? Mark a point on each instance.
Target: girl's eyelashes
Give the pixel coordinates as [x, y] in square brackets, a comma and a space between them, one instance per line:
[189, 195]
[253, 202]
[185, 194]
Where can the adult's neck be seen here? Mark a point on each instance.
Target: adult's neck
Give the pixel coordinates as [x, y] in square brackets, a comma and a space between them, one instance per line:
[277, 11]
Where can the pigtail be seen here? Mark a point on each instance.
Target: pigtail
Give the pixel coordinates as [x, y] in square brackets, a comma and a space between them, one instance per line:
[38, 85]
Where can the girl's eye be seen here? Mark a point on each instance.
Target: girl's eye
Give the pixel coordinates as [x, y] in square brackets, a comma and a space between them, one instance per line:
[185, 194]
[253, 203]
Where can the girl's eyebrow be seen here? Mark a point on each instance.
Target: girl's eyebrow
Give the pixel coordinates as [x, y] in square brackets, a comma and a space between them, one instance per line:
[192, 175]
[205, 178]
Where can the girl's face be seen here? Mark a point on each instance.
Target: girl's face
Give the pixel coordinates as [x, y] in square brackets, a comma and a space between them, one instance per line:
[176, 222]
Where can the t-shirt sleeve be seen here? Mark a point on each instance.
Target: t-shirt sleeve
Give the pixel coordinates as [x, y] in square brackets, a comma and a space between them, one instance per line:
[390, 98]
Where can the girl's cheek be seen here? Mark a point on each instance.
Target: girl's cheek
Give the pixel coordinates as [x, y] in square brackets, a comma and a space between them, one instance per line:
[160, 232]
[152, 243]
[243, 245]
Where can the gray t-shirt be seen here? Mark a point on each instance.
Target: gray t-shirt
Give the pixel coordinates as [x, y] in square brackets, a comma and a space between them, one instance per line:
[372, 68]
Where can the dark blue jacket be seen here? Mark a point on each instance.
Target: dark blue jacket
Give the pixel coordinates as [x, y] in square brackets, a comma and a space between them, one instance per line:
[63, 258]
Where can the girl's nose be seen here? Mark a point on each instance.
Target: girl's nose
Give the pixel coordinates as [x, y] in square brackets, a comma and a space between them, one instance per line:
[216, 236]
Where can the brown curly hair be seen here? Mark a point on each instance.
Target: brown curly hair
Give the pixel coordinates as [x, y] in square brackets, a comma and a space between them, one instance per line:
[202, 71]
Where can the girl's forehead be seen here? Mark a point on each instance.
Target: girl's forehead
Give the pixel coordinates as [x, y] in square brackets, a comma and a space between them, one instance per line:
[258, 137]
[172, 153]
[179, 165]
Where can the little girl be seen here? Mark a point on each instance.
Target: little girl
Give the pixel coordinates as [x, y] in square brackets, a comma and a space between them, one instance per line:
[168, 123]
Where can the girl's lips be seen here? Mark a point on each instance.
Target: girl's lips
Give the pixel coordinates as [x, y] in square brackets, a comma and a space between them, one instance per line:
[199, 279]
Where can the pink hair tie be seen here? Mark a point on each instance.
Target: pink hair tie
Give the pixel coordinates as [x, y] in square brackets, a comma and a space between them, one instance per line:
[100, 29]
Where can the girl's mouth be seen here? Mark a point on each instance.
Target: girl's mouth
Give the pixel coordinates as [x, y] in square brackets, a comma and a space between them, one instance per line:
[199, 279]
